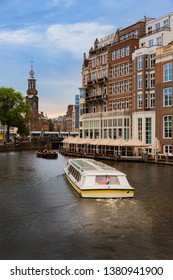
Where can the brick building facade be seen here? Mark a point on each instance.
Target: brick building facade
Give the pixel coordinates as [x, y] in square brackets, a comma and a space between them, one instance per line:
[121, 80]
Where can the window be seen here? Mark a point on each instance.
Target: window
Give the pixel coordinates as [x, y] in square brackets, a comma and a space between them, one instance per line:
[157, 26]
[122, 52]
[118, 53]
[151, 44]
[148, 130]
[139, 100]
[126, 133]
[167, 126]
[167, 97]
[127, 68]
[98, 60]
[94, 92]
[118, 70]
[110, 123]
[114, 122]
[104, 60]
[105, 133]
[167, 72]
[166, 23]
[146, 100]
[105, 89]
[94, 109]
[139, 62]
[149, 29]
[114, 88]
[146, 80]
[107, 180]
[122, 86]
[139, 81]
[152, 100]
[94, 75]
[127, 103]
[93, 62]
[104, 72]
[114, 71]
[113, 55]
[167, 149]
[140, 129]
[136, 34]
[152, 60]
[127, 85]
[113, 105]
[159, 41]
[127, 50]
[122, 104]
[152, 80]
[122, 69]
[147, 62]
[118, 87]
[120, 122]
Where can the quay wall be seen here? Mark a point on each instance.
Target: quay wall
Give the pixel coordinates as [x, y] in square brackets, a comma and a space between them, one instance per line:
[22, 146]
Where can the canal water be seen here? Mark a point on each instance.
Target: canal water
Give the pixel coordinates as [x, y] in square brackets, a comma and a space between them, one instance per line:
[42, 217]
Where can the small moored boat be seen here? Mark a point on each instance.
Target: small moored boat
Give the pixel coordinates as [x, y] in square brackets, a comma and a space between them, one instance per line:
[47, 154]
[95, 179]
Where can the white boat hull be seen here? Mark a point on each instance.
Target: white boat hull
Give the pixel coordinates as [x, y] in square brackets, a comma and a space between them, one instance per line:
[102, 193]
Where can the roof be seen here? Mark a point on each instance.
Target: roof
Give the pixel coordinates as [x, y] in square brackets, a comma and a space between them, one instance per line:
[106, 142]
[92, 166]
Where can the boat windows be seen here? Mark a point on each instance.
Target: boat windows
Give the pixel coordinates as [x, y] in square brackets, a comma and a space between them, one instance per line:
[107, 180]
[74, 173]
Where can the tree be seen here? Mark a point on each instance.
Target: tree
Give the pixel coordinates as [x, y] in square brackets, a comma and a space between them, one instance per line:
[14, 110]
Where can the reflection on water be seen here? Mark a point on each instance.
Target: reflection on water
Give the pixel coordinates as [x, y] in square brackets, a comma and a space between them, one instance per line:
[42, 217]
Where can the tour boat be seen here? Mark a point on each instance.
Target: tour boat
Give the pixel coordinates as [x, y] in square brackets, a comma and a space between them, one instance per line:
[47, 154]
[94, 179]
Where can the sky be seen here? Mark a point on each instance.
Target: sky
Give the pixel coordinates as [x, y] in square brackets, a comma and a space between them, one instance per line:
[55, 34]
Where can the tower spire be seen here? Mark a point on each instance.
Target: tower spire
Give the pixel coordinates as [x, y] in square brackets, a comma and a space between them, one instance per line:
[31, 72]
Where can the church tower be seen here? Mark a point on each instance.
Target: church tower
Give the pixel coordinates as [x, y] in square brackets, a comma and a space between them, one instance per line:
[33, 99]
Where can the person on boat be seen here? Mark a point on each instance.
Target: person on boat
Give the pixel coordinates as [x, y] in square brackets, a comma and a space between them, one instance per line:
[108, 178]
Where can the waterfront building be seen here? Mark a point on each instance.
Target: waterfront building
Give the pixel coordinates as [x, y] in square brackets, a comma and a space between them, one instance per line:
[106, 92]
[120, 90]
[164, 100]
[146, 96]
[124, 92]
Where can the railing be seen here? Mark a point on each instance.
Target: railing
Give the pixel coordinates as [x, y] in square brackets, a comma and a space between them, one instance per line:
[106, 114]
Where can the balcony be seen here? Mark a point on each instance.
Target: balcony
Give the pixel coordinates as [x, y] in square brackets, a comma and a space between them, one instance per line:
[97, 81]
[106, 114]
[164, 28]
[99, 97]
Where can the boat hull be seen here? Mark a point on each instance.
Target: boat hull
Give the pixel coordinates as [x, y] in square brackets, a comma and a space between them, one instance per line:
[47, 155]
[102, 193]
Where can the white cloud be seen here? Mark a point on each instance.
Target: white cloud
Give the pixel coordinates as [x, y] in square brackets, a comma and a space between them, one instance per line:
[21, 36]
[73, 38]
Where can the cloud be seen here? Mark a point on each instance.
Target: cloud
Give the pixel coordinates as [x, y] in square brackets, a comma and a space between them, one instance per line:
[65, 3]
[73, 38]
[21, 36]
[78, 37]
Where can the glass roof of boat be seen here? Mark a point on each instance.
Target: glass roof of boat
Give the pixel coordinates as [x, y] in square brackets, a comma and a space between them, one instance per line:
[90, 164]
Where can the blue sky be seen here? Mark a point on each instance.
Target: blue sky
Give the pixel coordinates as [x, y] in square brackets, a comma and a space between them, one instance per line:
[55, 34]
